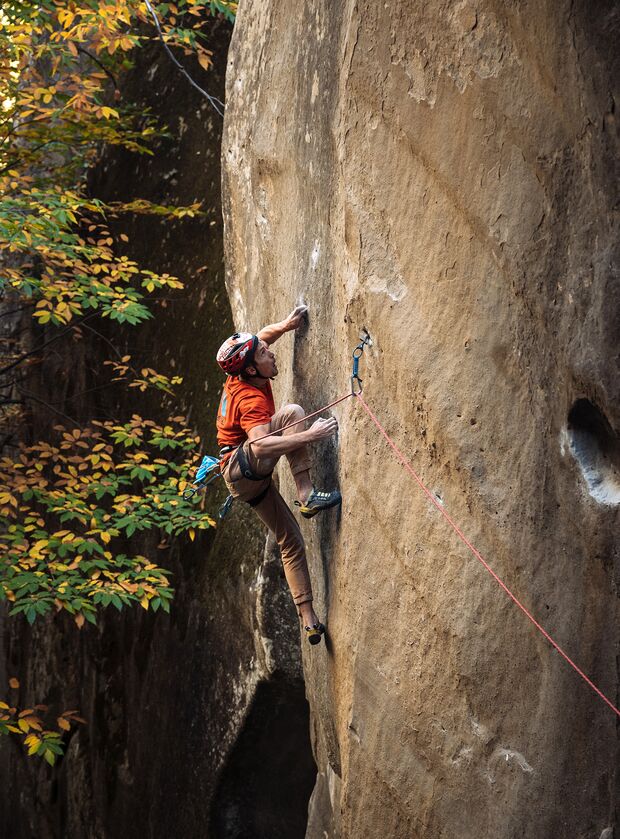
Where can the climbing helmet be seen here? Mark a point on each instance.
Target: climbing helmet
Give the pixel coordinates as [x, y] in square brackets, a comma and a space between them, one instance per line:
[237, 352]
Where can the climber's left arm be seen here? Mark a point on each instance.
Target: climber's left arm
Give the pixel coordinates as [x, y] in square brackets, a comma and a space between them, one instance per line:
[269, 334]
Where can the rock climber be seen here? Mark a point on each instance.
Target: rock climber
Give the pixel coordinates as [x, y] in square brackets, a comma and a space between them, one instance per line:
[247, 412]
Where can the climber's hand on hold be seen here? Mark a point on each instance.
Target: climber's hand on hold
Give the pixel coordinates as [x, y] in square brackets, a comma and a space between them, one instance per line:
[322, 428]
[296, 318]
[269, 334]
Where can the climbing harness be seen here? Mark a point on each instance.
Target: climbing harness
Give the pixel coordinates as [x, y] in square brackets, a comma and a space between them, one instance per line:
[209, 464]
[246, 469]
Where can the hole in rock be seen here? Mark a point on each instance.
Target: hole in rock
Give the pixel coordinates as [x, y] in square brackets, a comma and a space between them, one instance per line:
[596, 448]
[265, 786]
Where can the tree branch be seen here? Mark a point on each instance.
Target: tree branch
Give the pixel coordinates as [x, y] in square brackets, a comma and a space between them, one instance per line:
[215, 103]
[27, 395]
[99, 64]
[16, 311]
[42, 346]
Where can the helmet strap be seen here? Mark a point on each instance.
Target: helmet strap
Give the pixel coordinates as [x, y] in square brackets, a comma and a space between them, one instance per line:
[258, 375]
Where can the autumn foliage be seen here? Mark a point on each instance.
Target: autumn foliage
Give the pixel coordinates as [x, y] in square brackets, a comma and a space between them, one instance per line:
[72, 505]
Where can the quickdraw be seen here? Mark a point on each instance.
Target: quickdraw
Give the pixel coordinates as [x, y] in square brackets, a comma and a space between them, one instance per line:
[357, 354]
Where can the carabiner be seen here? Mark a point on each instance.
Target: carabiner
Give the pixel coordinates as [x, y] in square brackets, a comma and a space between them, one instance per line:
[355, 379]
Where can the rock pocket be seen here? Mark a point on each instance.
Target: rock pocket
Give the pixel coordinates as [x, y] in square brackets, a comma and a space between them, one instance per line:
[596, 448]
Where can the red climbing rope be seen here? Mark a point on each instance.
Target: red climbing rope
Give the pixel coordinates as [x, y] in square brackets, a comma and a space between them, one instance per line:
[478, 556]
[303, 419]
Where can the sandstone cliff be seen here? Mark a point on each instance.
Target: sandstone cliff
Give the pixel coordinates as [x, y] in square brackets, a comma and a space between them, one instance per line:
[441, 174]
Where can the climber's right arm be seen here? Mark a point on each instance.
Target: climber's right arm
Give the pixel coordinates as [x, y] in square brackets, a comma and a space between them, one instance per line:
[270, 334]
[272, 447]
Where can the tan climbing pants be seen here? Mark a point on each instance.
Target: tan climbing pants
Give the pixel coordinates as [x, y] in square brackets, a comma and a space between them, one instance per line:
[272, 509]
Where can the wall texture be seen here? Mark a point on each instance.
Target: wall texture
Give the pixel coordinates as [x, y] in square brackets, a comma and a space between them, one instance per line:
[441, 173]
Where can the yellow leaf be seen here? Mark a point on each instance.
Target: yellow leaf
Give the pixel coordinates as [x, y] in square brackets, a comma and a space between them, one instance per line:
[23, 725]
[14, 683]
[105, 537]
[144, 602]
[192, 533]
[204, 59]
[64, 724]
[66, 17]
[79, 619]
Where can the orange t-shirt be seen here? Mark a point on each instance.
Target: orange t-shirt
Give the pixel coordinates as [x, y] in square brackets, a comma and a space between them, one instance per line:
[242, 406]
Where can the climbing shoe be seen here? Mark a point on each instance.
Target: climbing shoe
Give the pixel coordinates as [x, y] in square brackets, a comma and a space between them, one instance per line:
[313, 633]
[318, 501]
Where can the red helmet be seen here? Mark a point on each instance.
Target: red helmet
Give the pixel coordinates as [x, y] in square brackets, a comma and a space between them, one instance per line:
[237, 352]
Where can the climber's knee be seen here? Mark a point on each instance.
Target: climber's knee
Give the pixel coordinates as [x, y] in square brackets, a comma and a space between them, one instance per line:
[294, 411]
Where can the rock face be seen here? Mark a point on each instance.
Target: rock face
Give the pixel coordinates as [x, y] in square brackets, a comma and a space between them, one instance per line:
[441, 174]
